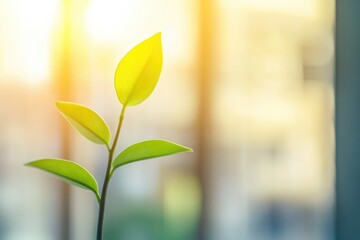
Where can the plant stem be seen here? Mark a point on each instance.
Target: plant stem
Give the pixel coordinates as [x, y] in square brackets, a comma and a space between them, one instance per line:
[107, 178]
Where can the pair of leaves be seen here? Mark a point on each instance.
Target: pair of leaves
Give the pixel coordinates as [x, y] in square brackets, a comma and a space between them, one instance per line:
[135, 79]
[77, 175]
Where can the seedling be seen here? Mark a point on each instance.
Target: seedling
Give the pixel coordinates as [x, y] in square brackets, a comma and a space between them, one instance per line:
[135, 79]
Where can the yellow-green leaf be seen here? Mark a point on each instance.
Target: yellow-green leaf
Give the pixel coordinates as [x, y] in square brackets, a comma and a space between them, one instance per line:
[146, 150]
[86, 121]
[69, 172]
[138, 72]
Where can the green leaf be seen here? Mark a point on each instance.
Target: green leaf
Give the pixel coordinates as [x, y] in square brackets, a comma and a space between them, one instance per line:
[138, 72]
[69, 172]
[147, 149]
[86, 121]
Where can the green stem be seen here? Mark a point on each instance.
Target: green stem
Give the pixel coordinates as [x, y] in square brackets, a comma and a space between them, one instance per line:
[107, 178]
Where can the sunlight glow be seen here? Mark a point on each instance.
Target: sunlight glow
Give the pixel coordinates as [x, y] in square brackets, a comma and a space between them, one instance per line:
[107, 19]
[28, 51]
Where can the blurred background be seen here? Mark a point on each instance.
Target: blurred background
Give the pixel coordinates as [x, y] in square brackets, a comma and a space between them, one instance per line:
[248, 84]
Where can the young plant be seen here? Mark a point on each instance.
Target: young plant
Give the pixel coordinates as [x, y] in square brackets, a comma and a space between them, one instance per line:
[135, 79]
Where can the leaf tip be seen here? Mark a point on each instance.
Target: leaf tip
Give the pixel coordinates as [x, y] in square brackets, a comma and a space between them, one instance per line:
[158, 35]
[59, 104]
[28, 164]
[189, 150]
[32, 163]
[157, 38]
